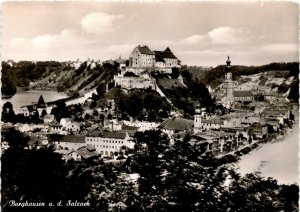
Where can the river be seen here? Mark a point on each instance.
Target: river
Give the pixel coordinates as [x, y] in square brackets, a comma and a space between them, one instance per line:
[22, 98]
[278, 160]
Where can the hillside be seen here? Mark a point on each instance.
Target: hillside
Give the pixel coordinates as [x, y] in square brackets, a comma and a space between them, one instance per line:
[215, 76]
[69, 77]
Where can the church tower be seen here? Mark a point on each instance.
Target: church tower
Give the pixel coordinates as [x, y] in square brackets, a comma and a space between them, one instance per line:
[228, 83]
[200, 114]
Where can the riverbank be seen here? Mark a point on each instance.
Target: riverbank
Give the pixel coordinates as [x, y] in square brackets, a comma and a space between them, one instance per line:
[278, 159]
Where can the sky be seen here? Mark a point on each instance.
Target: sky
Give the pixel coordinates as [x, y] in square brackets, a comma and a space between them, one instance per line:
[198, 33]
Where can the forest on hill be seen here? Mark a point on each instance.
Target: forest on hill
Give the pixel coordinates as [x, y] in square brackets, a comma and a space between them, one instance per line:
[215, 76]
[65, 77]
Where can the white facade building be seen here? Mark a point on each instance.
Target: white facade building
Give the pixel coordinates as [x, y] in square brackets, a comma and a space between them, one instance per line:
[107, 143]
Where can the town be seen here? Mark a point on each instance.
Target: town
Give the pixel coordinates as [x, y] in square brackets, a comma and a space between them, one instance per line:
[133, 113]
[245, 122]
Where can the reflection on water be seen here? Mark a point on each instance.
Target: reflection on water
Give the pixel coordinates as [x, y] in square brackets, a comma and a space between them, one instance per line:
[277, 160]
[22, 98]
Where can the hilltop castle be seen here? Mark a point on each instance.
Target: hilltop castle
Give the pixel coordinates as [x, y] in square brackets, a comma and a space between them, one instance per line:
[142, 57]
[142, 61]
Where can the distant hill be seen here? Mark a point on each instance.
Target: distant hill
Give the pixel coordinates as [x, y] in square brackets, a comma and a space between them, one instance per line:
[215, 76]
[187, 87]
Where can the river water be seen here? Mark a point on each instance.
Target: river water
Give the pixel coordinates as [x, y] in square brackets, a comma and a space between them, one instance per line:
[22, 98]
[278, 160]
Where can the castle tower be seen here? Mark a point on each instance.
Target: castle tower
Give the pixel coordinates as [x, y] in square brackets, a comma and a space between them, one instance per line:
[228, 83]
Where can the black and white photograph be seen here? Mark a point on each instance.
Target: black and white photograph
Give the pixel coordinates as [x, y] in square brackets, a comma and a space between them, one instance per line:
[112, 106]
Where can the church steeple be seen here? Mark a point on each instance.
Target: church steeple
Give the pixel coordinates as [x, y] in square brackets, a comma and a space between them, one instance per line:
[228, 65]
[228, 62]
[41, 103]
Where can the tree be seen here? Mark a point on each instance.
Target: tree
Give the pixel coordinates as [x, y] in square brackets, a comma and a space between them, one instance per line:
[101, 89]
[175, 73]
[87, 116]
[95, 112]
[15, 139]
[44, 112]
[8, 113]
[60, 111]
[152, 116]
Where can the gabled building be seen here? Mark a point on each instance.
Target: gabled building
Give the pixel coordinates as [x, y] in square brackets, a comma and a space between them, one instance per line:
[54, 127]
[144, 57]
[70, 142]
[176, 125]
[141, 57]
[243, 96]
[107, 143]
[87, 152]
[48, 118]
[259, 130]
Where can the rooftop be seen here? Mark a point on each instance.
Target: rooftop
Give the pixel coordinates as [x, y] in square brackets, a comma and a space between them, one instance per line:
[177, 124]
[118, 135]
[54, 123]
[86, 153]
[145, 50]
[73, 139]
[242, 94]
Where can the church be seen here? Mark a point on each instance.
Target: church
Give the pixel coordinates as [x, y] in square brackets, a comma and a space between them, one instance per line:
[232, 96]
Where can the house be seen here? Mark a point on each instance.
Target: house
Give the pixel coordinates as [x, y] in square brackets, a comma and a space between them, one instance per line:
[31, 109]
[176, 125]
[65, 121]
[69, 125]
[248, 120]
[23, 127]
[274, 123]
[259, 130]
[143, 125]
[210, 141]
[55, 127]
[48, 118]
[86, 152]
[82, 153]
[243, 96]
[73, 127]
[212, 123]
[38, 140]
[67, 155]
[112, 125]
[22, 110]
[107, 143]
[70, 142]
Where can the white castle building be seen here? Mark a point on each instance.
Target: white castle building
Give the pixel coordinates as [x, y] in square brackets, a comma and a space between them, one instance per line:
[143, 57]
